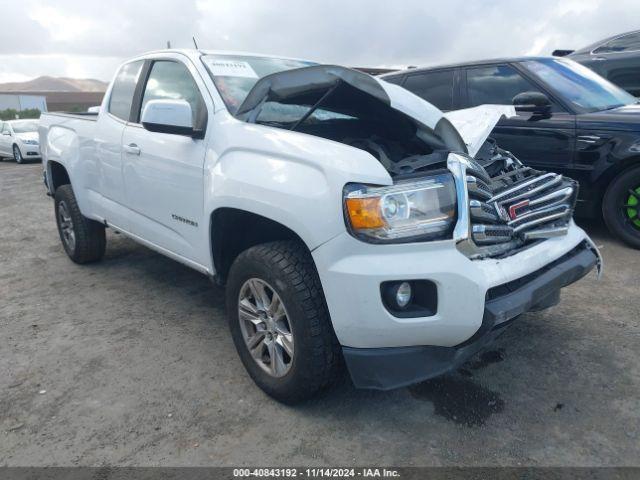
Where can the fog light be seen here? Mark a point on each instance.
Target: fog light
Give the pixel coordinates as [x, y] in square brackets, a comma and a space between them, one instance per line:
[403, 294]
[410, 298]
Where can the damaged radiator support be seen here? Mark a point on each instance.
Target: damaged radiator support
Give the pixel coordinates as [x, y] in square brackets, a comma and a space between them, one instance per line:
[509, 210]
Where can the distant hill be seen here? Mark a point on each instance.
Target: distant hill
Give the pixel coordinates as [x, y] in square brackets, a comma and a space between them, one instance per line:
[55, 84]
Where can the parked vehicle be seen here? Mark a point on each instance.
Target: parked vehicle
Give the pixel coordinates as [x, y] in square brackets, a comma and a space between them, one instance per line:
[345, 215]
[615, 58]
[569, 120]
[19, 140]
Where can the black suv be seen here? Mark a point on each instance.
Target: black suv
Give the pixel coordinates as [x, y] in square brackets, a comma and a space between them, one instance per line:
[569, 120]
[615, 58]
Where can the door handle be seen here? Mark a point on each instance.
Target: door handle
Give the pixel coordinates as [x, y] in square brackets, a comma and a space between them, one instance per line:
[132, 149]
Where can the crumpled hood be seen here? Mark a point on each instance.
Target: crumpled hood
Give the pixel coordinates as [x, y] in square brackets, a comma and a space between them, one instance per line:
[298, 82]
[301, 84]
[476, 124]
[460, 130]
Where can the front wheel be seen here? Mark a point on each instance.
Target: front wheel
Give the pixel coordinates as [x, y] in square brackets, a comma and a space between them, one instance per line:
[17, 154]
[280, 323]
[83, 239]
[621, 207]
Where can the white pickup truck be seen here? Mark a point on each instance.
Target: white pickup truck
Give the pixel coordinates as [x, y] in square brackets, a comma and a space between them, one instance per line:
[350, 221]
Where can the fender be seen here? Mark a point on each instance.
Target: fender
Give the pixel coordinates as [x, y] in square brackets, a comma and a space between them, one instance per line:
[300, 189]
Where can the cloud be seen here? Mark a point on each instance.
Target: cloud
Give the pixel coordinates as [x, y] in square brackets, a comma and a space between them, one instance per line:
[91, 37]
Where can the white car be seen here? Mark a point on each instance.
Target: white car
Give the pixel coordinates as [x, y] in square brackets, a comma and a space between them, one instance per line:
[19, 140]
[348, 218]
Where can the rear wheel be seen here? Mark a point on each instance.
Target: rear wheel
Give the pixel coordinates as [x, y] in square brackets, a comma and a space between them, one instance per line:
[17, 154]
[621, 207]
[279, 321]
[83, 239]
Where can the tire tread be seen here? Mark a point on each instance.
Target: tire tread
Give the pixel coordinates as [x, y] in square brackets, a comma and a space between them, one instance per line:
[294, 261]
[90, 235]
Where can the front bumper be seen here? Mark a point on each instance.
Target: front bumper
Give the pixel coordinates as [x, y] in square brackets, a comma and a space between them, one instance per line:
[468, 314]
[387, 368]
[30, 151]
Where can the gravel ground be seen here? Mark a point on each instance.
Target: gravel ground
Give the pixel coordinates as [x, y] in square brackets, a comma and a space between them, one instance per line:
[129, 362]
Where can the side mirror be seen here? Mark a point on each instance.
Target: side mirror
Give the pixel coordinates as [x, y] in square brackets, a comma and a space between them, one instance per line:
[8, 134]
[532, 102]
[93, 109]
[168, 116]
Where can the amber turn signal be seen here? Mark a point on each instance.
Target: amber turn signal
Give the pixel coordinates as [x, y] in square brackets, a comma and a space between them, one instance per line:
[364, 213]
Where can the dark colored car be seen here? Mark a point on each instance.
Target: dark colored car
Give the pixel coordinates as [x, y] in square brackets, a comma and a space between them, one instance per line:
[615, 58]
[569, 120]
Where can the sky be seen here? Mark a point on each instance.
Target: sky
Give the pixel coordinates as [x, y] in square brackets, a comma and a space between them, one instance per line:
[89, 38]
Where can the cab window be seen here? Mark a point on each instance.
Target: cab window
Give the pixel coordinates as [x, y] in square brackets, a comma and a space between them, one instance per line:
[123, 89]
[170, 80]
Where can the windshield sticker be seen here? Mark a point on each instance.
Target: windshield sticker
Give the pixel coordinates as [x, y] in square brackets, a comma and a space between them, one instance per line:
[231, 68]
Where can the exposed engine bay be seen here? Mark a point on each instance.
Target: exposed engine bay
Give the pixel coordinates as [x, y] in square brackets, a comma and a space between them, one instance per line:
[510, 205]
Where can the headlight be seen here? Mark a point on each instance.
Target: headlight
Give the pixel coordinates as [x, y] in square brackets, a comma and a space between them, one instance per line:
[30, 142]
[408, 211]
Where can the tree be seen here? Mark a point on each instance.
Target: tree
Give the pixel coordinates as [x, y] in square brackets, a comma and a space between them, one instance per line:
[12, 113]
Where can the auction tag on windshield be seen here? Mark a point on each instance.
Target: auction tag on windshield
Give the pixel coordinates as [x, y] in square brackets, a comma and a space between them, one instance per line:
[231, 68]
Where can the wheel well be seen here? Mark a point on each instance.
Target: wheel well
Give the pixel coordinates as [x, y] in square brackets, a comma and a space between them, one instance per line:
[602, 182]
[233, 231]
[607, 177]
[59, 175]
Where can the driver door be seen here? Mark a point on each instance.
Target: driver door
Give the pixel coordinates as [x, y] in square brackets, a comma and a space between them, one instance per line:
[538, 142]
[163, 172]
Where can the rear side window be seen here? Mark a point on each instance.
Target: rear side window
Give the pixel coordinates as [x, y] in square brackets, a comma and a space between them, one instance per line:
[496, 84]
[621, 44]
[123, 88]
[435, 87]
[172, 80]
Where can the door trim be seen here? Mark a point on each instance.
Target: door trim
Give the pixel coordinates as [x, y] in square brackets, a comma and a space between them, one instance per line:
[167, 253]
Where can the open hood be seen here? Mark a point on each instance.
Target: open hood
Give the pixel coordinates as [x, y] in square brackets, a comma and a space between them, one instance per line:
[476, 124]
[350, 92]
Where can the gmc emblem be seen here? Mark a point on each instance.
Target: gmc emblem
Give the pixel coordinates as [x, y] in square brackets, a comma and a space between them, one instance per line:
[513, 209]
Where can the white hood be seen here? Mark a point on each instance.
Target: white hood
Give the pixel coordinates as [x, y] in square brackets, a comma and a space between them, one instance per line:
[476, 124]
[469, 127]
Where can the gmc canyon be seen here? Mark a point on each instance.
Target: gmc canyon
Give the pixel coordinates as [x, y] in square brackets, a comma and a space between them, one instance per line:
[351, 221]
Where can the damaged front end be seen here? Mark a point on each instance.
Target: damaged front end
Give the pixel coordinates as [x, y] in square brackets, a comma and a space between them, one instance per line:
[502, 206]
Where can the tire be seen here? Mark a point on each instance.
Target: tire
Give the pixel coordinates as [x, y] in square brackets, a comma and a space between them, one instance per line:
[288, 270]
[83, 239]
[17, 154]
[617, 207]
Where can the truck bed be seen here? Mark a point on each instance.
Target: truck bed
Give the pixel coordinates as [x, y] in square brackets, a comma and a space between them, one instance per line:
[64, 135]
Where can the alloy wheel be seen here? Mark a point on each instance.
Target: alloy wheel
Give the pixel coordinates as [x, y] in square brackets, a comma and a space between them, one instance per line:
[266, 327]
[66, 226]
[631, 207]
[17, 155]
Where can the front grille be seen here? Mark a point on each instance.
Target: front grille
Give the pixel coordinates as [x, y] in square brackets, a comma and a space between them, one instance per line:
[510, 210]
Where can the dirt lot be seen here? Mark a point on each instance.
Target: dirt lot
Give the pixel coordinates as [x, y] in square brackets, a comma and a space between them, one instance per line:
[129, 362]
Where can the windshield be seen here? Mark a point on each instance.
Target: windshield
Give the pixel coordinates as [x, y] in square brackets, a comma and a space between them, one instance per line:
[234, 75]
[584, 88]
[25, 127]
